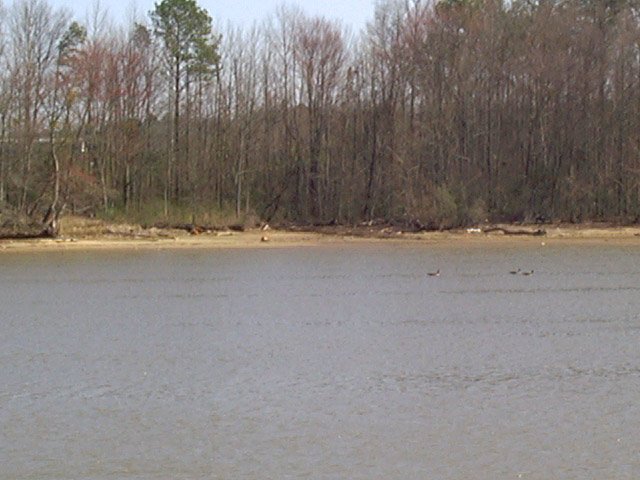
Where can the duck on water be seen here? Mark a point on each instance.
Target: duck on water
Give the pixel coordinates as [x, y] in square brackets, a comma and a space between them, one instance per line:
[520, 272]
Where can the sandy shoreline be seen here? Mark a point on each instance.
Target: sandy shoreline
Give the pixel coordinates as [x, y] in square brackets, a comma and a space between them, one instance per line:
[172, 239]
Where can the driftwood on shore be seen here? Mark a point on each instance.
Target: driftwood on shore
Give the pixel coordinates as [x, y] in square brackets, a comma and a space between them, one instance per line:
[192, 228]
[21, 230]
[26, 235]
[373, 228]
[196, 229]
[510, 231]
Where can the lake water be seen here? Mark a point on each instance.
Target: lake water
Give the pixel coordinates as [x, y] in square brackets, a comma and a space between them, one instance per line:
[341, 362]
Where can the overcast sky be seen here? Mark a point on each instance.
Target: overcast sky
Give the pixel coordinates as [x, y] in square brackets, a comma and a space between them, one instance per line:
[354, 13]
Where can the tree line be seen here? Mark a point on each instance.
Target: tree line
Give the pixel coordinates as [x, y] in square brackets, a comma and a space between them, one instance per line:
[443, 113]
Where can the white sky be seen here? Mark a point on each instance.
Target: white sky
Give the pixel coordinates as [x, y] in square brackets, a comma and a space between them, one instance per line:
[354, 13]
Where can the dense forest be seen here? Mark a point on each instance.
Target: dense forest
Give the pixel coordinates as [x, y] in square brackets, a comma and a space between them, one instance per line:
[444, 113]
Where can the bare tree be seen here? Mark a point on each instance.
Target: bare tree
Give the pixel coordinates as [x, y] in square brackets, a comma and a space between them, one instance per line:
[319, 53]
[34, 33]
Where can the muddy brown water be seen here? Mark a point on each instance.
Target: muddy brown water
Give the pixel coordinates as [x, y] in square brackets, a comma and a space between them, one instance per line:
[337, 362]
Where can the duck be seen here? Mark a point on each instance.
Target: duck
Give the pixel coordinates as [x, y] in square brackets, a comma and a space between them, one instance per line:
[515, 272]
[526, 274]
[434, 274]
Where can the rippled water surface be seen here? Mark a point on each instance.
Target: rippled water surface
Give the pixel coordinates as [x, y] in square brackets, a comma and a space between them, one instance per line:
[330, 363]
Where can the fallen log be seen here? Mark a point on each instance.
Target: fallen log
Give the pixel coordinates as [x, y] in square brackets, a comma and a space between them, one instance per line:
[508, 231]
[192, 228]
[27, 235]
